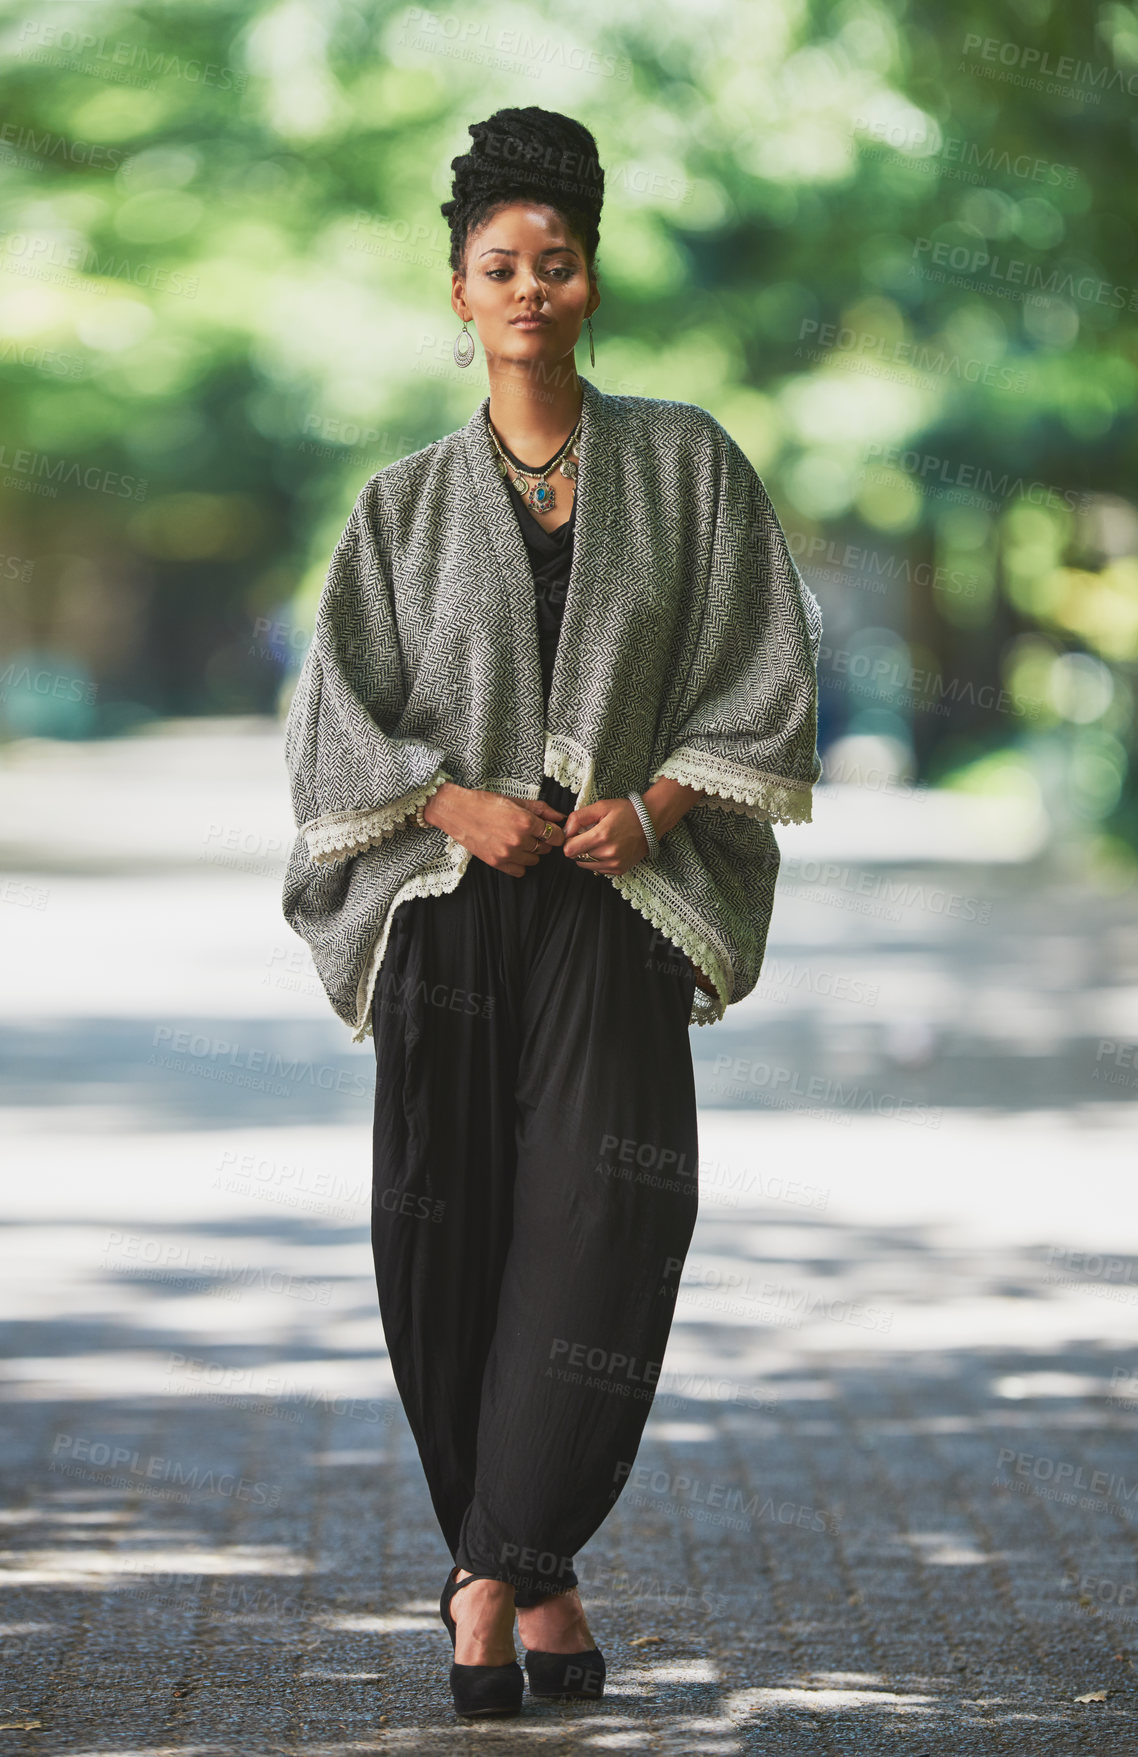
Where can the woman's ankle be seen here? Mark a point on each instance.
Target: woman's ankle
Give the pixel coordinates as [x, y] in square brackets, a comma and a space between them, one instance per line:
[484, 1624]
[557, 1620]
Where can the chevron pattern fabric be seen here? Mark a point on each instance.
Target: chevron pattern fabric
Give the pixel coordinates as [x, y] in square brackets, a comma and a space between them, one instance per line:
[688, 647]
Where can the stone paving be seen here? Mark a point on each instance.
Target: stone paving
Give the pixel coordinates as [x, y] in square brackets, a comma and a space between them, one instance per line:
[887, 1499]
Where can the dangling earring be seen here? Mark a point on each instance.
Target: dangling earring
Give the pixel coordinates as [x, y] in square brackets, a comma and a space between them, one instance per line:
[463, 346]
[592, 356]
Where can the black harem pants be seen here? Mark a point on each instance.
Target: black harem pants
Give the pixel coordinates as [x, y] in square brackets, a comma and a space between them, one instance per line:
[534, 1195]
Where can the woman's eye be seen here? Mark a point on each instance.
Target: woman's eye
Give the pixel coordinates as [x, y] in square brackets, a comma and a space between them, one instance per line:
[562, 271]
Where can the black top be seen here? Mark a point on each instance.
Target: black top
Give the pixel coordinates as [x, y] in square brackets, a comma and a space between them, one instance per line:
[551, 557]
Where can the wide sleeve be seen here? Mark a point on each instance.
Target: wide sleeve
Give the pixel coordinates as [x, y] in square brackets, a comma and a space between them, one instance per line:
[353, 780]
[743, 724]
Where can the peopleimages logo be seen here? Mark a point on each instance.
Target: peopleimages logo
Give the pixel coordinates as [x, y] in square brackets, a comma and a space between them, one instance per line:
[820, 554]
[63, 46]
[1102, 1488]
[29, 254]
[746, 1072]
[41, 474]
[155, 1467]
[1010, 273]
[59, 684]
[820, 341]
[929, 151]
[217, 1058]
[717, 1503]
[931, 470]
[1025, 64]
[57, 146]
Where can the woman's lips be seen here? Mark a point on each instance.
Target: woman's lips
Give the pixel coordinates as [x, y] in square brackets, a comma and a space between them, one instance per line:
[529, 322]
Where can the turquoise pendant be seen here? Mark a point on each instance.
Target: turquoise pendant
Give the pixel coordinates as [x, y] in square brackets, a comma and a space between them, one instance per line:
[542, 497]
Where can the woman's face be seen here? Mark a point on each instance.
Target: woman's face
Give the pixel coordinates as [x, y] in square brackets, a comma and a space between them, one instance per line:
[526, 286]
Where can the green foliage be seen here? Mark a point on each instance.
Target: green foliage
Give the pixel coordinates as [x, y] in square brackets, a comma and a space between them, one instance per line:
[893, 250]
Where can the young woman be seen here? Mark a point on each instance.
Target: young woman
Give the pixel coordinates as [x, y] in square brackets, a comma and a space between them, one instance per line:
[562, 682]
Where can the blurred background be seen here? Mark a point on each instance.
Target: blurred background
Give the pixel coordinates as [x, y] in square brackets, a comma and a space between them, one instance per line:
[905, 280]
[894, 250]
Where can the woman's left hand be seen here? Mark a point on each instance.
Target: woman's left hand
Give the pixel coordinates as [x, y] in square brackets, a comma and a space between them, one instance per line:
[610, 831]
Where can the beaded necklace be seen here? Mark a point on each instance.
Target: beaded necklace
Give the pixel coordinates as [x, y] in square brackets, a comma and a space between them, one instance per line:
[538, 493]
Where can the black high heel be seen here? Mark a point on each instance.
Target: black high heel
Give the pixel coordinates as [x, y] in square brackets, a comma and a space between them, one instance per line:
[479, 1689]
[566, 1674]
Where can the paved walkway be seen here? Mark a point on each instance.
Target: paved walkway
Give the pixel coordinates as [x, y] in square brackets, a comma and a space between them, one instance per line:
[887, 1499]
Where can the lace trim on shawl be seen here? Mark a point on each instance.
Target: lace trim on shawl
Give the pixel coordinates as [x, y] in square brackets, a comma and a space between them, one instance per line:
[339, 835]
[655, 906]
[635, 886]
[640, 890]
[733, 788]
[570, 765]
[433, 881]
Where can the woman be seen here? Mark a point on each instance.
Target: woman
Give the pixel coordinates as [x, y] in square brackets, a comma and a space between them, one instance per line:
[549, 713]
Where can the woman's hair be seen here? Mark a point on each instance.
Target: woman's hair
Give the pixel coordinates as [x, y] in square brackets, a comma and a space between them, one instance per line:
[519, 155]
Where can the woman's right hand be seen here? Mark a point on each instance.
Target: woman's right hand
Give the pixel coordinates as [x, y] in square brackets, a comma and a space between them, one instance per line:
[498, 830]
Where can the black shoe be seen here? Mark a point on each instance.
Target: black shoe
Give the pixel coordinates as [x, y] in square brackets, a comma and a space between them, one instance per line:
[566, 1674]
[482, 1690]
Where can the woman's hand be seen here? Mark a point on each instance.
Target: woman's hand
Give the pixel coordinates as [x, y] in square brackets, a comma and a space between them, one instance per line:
[497, 830]
[610, 831]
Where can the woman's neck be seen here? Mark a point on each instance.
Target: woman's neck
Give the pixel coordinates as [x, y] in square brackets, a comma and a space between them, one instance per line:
[532, 414]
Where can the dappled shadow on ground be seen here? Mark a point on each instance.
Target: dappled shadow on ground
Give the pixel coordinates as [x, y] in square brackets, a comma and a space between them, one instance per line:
[839, 1535]
[886, 1500]
[185, 1072]
[189, 1072]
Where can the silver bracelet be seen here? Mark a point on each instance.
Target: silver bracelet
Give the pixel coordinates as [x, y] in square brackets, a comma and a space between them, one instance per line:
[647, 825]
[423, 803]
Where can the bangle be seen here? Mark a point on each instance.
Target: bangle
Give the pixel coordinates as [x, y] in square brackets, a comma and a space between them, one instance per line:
[423, 803]
[646, 824]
